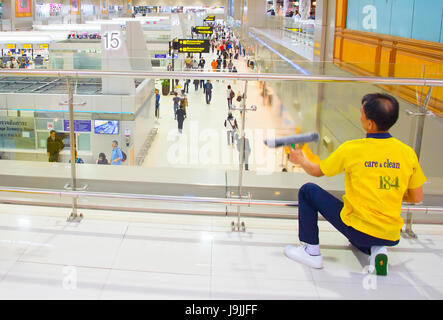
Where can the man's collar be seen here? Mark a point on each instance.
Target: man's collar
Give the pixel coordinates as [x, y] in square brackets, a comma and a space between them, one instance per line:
[383, 135]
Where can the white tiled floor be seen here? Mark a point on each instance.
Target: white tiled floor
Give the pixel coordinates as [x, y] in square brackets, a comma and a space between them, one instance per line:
[121, 255]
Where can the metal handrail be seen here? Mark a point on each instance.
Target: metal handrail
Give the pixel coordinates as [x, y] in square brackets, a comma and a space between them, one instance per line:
[189, 199]
[225, 75]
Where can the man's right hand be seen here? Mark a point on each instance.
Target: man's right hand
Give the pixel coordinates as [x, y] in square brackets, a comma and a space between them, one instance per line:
[296, 156]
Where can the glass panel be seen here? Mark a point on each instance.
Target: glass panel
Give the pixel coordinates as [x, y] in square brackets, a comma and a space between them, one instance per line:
[84, 141]
[17, 133]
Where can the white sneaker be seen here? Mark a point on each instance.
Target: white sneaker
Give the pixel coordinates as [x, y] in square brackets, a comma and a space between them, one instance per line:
[378, 262]
[299, 254]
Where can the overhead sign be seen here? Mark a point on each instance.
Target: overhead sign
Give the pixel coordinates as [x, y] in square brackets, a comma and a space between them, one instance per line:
[27, 46]
[209, 19]
[160, 56]
[10, 46]
[203, 30]
[294, 29]
[44, 46]
[191, 45]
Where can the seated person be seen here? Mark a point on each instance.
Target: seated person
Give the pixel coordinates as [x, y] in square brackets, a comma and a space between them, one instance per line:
[380, 173]
[77, 159]
[102, 159]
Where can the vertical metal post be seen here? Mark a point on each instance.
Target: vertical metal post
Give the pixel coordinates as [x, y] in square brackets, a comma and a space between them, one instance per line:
[242, 152]
[417, 148]
[73, 144]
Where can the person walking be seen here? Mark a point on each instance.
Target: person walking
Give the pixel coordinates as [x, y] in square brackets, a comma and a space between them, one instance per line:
[231, 127]
[181, 116]
[54, 145]
[196, 82]
[214, 65]
[230, 94]
[230, 65]
[247, 150]
[157, 104]
[208, 92]
[219, 63]
[186, 86]
[183, 101]
[176, 101]
[202, 63]
[116, 155]
[202, 85]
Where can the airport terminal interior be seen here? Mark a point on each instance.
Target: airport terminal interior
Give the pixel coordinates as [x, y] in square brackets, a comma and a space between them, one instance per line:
[169, 149]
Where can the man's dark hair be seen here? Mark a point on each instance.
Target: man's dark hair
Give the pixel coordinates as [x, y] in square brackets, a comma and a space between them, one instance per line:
[115, 141]
[50, 132]
[381, 108]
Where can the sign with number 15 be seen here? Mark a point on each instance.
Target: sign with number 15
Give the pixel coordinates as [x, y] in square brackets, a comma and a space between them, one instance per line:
[111, 40]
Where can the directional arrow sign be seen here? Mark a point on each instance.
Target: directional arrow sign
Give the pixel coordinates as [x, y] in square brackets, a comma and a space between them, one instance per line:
[203, 30]
[189, 45]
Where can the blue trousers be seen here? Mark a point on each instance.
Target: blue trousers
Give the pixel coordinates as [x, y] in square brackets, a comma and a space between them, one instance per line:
[175, 111]
[208, 95]
[313, 199]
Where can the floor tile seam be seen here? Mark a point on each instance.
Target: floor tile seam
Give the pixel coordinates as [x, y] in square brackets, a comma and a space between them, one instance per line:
[116, 269]
[19, 259]
[105, 283]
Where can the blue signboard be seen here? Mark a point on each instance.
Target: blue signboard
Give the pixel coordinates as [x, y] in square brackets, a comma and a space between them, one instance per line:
[79, 125]
[158, 56]
[414, 19]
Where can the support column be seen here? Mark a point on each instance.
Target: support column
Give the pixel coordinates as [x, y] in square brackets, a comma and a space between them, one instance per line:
[22, 19]
[285, 7]
[305, 8]
[238, 9]
[255, 13]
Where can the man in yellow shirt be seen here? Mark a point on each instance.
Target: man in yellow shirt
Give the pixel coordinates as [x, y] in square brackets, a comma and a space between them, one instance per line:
[380, 173]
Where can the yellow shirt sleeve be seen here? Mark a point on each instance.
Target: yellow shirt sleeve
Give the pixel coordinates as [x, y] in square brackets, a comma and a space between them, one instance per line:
[335, 163]
[418, 177]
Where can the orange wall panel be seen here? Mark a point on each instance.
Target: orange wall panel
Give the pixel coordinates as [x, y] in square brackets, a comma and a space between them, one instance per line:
[412, 66]
[384, 62]
[359, 54]
[337, 47]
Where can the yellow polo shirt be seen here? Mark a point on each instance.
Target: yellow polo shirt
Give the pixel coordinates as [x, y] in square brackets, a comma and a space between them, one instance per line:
[378, 171]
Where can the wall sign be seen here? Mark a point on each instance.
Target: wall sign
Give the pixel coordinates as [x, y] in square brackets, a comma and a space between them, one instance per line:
[79, 125]
[111, 40]
[23, 8]
[74, 7]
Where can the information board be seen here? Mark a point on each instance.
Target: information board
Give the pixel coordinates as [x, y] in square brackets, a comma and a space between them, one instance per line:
[209, 19]
[79, 125]
[191, 45]
[203, 30]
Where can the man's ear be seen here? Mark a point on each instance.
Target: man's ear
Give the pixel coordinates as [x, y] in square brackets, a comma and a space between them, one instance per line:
[372, 125]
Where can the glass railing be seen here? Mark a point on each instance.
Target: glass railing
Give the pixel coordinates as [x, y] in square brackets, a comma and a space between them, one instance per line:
[124, 147]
